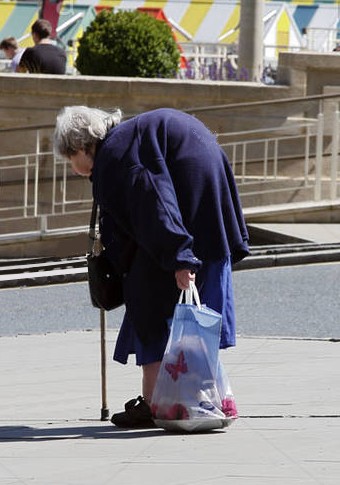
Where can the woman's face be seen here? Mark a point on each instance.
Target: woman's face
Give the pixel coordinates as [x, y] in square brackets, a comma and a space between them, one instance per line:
[82, 163]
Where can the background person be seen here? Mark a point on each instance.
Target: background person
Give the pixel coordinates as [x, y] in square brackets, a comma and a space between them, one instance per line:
[169, 214]
[44, 57]
[12, 51]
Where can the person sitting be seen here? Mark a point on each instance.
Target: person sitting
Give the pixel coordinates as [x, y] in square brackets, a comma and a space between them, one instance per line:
[44, 57]
[12, 51]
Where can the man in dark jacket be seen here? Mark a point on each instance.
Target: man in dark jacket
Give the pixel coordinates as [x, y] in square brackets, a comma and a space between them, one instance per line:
[44, 57]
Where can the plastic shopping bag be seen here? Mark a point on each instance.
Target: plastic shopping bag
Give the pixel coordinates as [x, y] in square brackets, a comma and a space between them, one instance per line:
[192, 392]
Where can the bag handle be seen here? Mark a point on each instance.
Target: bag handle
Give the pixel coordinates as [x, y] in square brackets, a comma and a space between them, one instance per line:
[190, 296]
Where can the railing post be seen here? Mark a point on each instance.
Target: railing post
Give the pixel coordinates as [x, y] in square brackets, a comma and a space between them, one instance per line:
[265, 161]
[43, 224]
[234, 158]
[318, 160]
[307, 154]
[54, 182]
[276, 156]
[26, 180]
[63, 206]
[36, 174]
[335, 155]
[197, 62]
[244, 161]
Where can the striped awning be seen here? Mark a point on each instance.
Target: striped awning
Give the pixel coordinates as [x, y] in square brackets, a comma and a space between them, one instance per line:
[194, 20]
[16, 20]
[73, 21]
[200, 21]
[206, 21]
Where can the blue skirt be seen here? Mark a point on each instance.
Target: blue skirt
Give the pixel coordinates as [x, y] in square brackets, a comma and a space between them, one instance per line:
[214, 283]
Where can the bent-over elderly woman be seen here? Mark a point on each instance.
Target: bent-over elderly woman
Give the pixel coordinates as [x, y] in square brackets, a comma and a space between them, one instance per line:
[169, 214]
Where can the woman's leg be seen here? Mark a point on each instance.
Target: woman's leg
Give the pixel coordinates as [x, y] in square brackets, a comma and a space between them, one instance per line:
[150, 373]
[137, 412]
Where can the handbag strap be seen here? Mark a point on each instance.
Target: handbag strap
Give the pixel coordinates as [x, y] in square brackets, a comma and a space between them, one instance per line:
[92, 227]
[190, 296]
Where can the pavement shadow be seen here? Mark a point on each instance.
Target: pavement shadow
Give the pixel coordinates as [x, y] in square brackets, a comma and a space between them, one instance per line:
[29, 433]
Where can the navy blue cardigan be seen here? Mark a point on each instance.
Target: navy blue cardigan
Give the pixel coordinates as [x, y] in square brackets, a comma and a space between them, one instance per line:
[168, 200]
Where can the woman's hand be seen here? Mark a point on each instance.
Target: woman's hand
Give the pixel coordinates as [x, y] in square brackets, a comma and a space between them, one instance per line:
[183, 278]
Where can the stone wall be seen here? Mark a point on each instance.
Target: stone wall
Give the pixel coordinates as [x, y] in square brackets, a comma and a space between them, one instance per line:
[36, 99]
[28, 99]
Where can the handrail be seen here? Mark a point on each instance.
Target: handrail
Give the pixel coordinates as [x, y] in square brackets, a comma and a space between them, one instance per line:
[307, 123]
[268, 102]
[26, 128]
[315, 97]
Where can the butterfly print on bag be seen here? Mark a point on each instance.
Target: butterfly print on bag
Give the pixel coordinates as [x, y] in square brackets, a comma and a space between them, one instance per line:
[180, 366]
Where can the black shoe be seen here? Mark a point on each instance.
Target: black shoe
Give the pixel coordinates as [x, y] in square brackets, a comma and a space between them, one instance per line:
[137, 414]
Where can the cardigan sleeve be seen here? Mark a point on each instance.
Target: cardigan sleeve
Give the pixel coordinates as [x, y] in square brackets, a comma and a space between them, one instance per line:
[157, 222]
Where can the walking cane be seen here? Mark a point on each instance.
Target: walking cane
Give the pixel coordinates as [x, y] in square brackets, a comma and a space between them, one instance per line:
[104, 416]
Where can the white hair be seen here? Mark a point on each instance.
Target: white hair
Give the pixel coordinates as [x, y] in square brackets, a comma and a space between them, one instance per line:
[81, 127]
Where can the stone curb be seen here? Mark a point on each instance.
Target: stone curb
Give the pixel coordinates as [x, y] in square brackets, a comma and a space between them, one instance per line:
[266, 258]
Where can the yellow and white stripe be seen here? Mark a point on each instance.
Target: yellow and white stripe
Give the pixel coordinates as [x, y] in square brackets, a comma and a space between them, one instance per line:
[205, 21]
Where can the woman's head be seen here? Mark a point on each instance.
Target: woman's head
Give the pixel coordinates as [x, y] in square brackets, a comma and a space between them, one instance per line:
[80, 128]
[9, 46]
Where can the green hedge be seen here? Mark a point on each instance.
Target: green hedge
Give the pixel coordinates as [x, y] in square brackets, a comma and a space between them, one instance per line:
[128, 44]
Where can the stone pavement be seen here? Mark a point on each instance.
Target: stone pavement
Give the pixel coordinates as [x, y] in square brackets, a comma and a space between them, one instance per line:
[309, 232]
[288, 397]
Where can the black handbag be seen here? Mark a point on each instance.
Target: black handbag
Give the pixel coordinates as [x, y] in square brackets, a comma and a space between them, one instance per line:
[105, 284]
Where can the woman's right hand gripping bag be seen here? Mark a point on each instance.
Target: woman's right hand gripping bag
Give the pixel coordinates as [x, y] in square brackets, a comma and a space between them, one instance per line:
[192, 392]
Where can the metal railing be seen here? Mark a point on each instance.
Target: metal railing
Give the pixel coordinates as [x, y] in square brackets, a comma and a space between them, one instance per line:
[38, 191]
[272, 166]
[300, 143]
[21, 188]
[321, 39]
[264, 152]
[217, 61]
